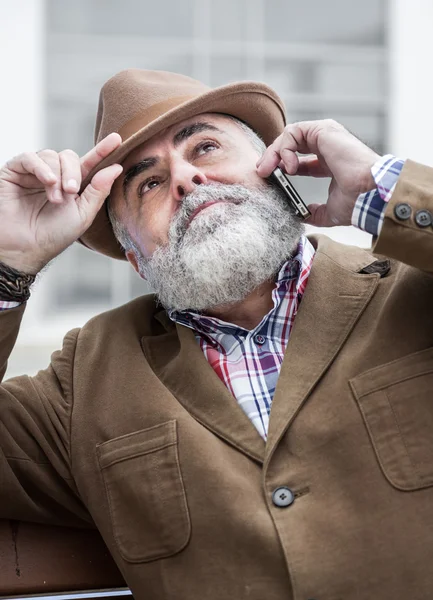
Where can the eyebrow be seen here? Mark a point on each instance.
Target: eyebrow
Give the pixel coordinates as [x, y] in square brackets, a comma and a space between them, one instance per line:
[147, 163]
[192, 129]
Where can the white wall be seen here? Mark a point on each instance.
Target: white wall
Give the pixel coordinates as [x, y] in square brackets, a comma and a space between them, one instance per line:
[22, 39]
[21, 93]
[410, 77]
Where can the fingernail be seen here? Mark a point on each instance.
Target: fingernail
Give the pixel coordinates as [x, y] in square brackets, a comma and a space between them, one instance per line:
[58, 195]
[72, 185]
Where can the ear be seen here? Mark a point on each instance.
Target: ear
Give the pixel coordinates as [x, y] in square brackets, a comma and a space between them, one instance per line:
[132, 259]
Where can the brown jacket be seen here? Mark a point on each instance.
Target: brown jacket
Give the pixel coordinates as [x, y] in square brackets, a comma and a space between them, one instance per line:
[129, 430]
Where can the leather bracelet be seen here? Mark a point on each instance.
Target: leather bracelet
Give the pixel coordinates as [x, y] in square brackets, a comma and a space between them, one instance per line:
[14, 285]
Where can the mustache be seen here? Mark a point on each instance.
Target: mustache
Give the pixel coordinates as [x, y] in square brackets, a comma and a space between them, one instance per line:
[215, 192]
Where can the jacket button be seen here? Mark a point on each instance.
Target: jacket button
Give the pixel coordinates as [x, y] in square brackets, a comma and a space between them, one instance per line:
[403, 211]
[283, 496]
[423, 218]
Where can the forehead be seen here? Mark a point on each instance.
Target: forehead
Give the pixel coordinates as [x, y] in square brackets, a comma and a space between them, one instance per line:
[224, 123]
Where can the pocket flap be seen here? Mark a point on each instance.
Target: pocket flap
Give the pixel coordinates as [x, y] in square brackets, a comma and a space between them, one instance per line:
[396, 371]
[137, 443]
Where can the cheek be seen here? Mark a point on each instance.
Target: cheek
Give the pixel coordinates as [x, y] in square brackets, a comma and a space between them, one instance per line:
[235, 174]
[254, 180]
[249, 178]
[153, 228]
[238, 169]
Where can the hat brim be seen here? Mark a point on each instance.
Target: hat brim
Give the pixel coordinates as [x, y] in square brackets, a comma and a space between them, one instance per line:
[254, 103]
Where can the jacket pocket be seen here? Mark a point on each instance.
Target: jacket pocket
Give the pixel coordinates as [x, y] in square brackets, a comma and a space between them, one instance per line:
[145, 493]
[396, 402]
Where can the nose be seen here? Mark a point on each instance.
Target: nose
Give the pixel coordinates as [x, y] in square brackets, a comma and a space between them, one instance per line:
[185, 177]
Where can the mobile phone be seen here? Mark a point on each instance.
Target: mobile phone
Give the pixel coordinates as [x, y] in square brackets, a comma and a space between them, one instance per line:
[295, 200]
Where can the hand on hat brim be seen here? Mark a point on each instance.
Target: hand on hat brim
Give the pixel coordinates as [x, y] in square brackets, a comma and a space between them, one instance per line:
[96, 192]
[97, 154]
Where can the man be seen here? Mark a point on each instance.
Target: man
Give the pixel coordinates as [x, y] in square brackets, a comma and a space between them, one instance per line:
[152, 424]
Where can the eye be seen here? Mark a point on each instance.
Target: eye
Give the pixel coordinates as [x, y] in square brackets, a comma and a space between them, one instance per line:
[205, 147]
[147, 185]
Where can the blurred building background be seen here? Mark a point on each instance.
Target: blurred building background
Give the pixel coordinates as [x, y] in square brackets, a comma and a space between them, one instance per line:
[365, 64]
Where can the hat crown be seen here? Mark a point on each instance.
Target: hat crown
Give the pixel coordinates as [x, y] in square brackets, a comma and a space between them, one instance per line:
[134, 92]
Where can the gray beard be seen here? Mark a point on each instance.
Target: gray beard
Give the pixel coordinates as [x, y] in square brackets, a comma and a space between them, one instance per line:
[228, 249]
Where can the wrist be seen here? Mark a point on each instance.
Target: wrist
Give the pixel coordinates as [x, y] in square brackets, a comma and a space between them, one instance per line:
[22, 263]
[368, 182]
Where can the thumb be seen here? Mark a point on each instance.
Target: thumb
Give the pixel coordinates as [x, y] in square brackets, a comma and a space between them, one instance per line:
[319, 216]
[96, 192]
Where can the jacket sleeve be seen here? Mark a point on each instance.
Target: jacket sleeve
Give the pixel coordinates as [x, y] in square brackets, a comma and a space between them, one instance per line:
[407, 234]
[36, 483]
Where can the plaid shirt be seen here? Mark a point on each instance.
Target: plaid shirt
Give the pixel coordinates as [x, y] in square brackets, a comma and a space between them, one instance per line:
[4, 304]
[248, 362]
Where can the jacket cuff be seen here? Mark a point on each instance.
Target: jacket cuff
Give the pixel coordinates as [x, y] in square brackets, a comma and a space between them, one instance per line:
[407, 232]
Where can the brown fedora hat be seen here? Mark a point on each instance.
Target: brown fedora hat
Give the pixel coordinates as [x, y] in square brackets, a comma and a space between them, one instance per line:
[139, 104]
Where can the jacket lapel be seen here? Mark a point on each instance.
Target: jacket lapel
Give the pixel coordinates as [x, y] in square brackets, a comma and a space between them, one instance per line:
[335, 297]
[178, 361]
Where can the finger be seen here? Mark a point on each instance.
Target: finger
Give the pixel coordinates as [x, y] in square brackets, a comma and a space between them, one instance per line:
[105, 147]
[318, 216]
[270, 159]
[71, 173]
[96, 192]
[292, 141]
[31, 163]
[284, 149]
[296, 138]
[54, 191]
[311, 166]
